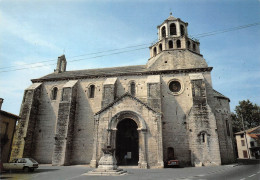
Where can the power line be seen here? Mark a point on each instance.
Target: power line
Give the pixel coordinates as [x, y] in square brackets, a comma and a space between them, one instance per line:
[100, 52]
[77, 59]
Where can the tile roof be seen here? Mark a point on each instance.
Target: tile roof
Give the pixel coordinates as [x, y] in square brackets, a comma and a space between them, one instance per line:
[9, 114]
[250, 131]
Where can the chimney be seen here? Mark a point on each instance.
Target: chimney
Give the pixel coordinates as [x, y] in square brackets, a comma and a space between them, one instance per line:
[61, 64]
[1, 102]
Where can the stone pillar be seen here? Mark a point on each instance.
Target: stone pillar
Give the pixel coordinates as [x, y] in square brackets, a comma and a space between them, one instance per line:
[160, 163]
[109, 91]
[23, 145]
[93, 162]
[142, 149]
[65, 125]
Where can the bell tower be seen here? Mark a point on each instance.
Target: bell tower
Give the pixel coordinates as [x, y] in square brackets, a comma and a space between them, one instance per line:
[173, 39]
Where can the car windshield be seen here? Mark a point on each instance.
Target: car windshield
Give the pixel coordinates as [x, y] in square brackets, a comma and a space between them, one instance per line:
[33, 160]
[13, 161]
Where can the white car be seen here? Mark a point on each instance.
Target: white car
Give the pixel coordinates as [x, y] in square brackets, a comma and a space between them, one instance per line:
[26, 164]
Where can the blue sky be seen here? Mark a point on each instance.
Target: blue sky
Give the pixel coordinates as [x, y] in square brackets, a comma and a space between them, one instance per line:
[36, 31]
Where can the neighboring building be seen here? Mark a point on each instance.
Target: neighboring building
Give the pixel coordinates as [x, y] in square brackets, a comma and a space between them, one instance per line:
[7, 129]
[148, 113]
[248, 143]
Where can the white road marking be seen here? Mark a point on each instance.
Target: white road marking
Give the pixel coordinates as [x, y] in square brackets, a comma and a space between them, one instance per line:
[252, 175]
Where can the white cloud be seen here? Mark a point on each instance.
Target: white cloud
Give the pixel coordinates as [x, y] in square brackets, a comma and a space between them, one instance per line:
[24, 31]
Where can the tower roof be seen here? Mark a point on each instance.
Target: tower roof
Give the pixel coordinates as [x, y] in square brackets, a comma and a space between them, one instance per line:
[171, 17]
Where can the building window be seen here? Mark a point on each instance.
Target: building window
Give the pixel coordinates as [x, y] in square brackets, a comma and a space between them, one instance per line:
[54, 93]
[228, 130]
[178, 43]
[170, 44]
[154, 51]
[163, 32]
[172, 29]
[194, 47]
[245, 154]
[243, 142]
[188, 44]
[160, 47]
[242, 135]
[91, 91]
[182, 30]
[252, 144]
[203, 137]
[175, 86]
[132, 88]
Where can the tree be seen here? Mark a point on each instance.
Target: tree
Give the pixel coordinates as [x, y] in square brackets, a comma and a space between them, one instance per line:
[250, 113]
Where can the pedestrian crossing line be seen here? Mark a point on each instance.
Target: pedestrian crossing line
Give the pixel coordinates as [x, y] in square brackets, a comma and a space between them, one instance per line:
[252, 175]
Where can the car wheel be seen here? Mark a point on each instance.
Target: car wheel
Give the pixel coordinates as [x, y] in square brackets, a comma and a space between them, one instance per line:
[26, 169]
[31, 169]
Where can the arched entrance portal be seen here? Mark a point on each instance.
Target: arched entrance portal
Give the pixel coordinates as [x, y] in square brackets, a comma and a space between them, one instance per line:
[127, 143]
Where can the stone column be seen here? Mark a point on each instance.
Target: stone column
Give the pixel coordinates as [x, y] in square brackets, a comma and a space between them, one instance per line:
[160, 163]
[93, 162]
[142, 149]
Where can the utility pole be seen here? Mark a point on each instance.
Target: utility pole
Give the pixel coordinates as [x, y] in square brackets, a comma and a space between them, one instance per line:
[248, 152]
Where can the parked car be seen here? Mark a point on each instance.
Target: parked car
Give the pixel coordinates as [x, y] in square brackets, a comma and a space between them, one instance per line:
[172, 163]
[26, 164]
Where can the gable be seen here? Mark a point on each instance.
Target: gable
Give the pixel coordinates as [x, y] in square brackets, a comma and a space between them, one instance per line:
[123, 100]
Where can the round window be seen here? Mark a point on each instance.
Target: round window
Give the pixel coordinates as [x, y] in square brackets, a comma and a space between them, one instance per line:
[175, 86]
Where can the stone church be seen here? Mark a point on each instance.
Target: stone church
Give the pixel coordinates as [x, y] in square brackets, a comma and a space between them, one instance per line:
[165, 109]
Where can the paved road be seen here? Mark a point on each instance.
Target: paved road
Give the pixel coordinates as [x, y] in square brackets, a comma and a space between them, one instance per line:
[47, 172]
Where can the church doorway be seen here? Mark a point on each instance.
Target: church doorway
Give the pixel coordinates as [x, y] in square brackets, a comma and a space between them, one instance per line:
[127, 143]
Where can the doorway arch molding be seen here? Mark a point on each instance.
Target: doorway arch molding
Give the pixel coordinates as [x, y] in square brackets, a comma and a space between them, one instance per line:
[127, 115]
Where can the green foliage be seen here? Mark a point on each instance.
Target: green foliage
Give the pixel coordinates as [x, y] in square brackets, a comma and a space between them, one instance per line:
[249, 112]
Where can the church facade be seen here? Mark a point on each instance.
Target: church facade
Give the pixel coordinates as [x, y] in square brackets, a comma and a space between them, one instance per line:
[166, 109]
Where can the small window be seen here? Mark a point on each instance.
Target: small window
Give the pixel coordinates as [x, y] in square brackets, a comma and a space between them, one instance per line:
[154, 51]
[163, 32]
[160, 47]
[170, 44]
[92, 91]
[194, 47]
[243, 142]
[242, 135]
[178, 43]
[182, 30]
[172, 29]
[252, 144]
[54, 93]
[132, 88]
[203, 137]
[188, 44]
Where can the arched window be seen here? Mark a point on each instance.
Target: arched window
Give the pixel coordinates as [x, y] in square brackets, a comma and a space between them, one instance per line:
[178, 43]
[203, 137]
[91, 91]
[132, 88]
[154, 51]
[163, 32]
[182, 30]
[194, 47]
[188, 44]
[173, 29]
[54, 93]
[160, 47]
[170, 44]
